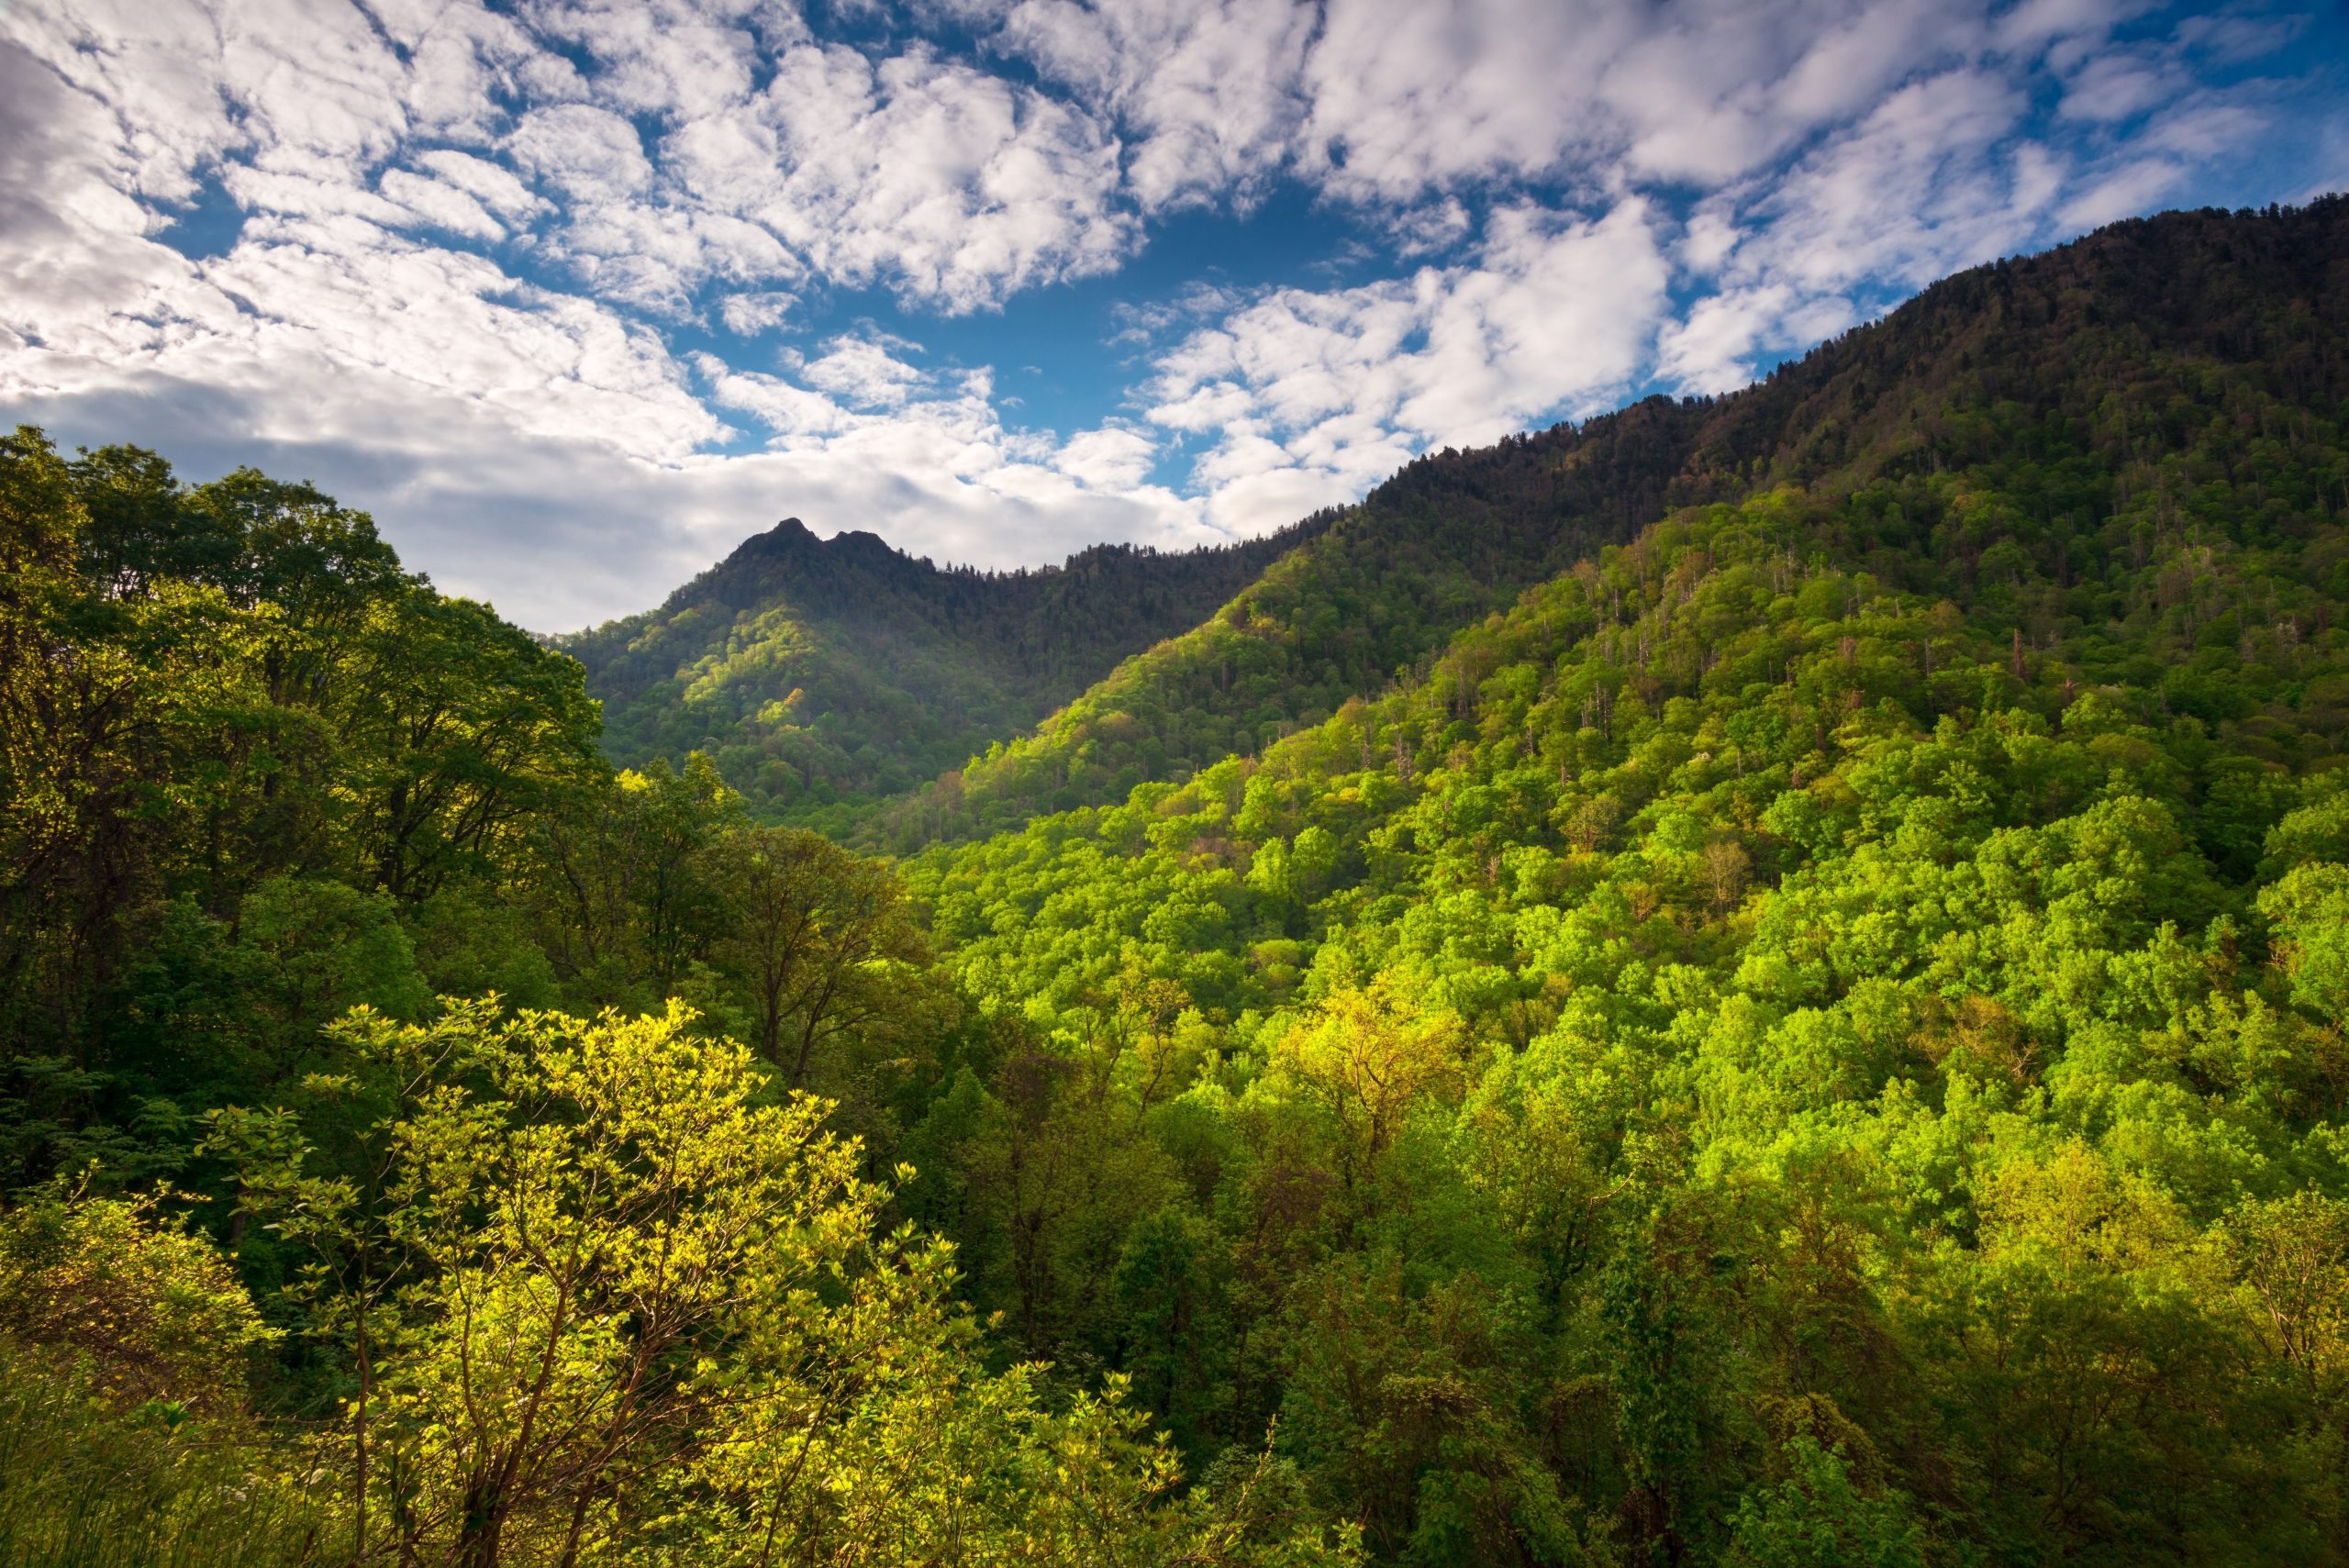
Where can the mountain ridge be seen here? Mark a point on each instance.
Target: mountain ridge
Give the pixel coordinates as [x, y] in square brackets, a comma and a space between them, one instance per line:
[945, 703]
[814, 668]
[1910, 392]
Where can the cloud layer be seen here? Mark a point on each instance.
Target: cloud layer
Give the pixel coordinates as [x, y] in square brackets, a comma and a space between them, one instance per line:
[554, 287]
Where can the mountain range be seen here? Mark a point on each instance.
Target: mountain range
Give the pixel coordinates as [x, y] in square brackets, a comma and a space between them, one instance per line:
[840, 683]
[824, 674]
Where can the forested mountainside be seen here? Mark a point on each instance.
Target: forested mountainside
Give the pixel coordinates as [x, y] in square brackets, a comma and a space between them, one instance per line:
[820, 675]
[1940, 382]
[1816, 1036]
[1816, 1033]
[904, 673]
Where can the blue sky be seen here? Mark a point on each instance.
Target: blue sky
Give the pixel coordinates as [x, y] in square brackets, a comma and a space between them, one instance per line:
[576, 294]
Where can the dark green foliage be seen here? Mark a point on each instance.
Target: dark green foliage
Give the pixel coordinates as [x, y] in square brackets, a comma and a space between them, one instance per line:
[237, 743]
[1816, 1518]
[256, 775]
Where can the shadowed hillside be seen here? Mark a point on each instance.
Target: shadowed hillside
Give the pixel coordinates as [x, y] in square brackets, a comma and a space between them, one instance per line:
[821, 671]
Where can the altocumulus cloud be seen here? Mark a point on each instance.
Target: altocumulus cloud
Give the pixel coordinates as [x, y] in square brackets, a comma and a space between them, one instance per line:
[575, 294]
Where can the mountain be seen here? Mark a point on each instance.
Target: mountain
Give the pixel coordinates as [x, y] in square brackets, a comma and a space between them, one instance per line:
[2170, 560]
[2027, 351]
[1816, 1035]
[908, 673]
[819, 673]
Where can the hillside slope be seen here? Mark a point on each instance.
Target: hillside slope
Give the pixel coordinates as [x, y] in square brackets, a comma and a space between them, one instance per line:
[2025, 348]
[2174, 559]
[820, 674]
[1816, 1035]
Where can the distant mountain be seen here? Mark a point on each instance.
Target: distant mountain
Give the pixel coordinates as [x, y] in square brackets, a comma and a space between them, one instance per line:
[823, 673]
[826, 675]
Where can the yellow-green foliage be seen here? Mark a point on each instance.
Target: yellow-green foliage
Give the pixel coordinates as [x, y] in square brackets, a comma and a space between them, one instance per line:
[1814, 1069]
[125, 1348]
[156, 1314]
[629, 1305]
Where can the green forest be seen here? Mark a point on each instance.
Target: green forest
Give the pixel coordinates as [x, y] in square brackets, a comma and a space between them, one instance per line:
[1758, 982]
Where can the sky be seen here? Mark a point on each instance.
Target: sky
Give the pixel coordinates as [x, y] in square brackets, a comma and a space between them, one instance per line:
[574, 295]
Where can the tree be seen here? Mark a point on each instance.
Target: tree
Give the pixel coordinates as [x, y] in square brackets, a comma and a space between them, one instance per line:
[68, 700]
[644, 1306]
[2292, 1255]
[821, 939]
[158, 1312]
[454, 724]
[622, 879]
[1817, 1518]
[1367, 1057]
[2310, 910]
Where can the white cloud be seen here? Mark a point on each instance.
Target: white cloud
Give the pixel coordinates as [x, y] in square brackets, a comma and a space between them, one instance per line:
[494, 187]
[2120, 85]
[953, 184]
[747, 315]
[1337, 388]
[1922, 185]
[671, 59]
[480, 255]
[1405, 97]
[588, 154]
[429, 204]
[2130, 187]
[1209, 89]
[1110, 459]
[1713, 347]
[939, 180]
[864, 373]
[2065, 26]
[1933, 179]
